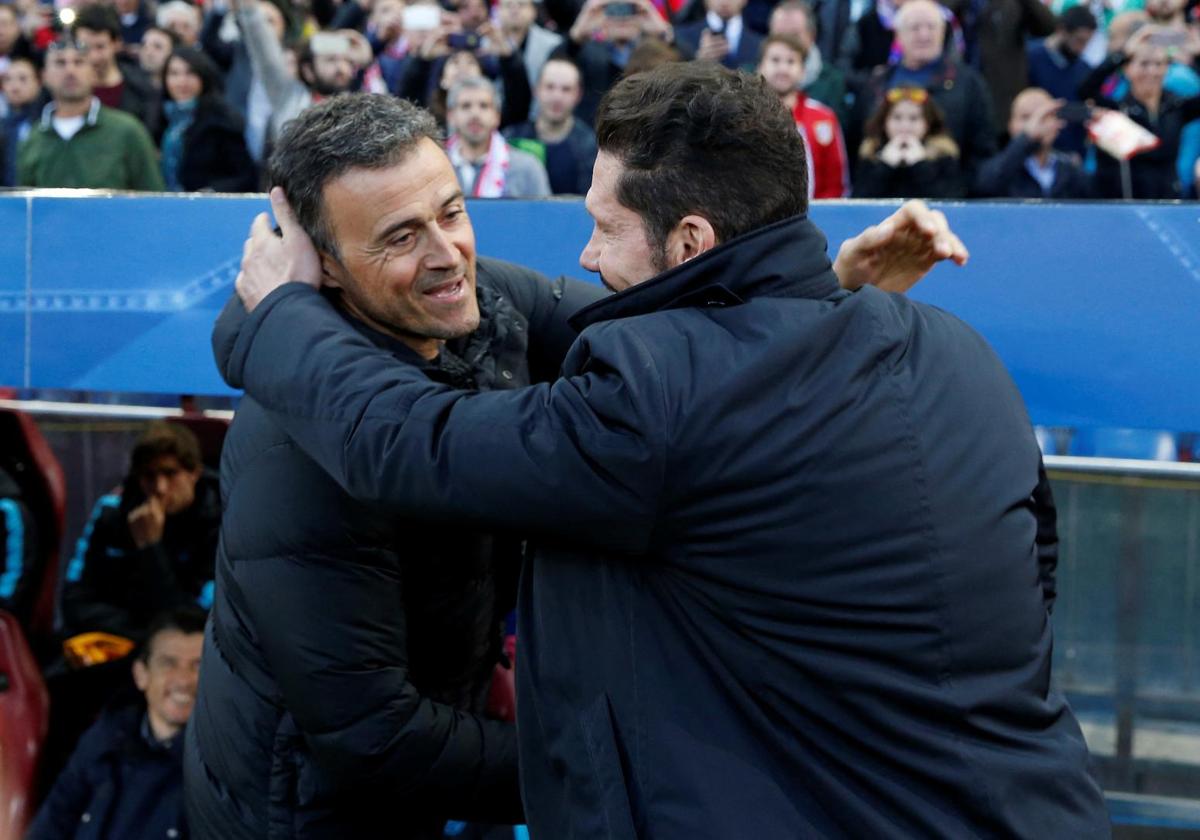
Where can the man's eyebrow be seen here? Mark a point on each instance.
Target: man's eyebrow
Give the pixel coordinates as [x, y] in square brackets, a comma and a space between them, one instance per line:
[412, 221]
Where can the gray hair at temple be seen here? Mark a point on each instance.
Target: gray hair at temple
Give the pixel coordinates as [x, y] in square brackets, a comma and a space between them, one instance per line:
[351, 131]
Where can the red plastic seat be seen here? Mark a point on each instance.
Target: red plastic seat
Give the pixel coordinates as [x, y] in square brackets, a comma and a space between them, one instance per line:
[24, 711]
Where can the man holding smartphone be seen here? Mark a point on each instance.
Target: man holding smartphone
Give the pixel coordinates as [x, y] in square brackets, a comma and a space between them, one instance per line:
[722, 36]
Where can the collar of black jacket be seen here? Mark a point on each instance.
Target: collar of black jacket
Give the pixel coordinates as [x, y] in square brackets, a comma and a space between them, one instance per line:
[785, 259]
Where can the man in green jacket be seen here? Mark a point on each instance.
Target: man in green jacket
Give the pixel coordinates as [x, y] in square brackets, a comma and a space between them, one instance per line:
[80, 143]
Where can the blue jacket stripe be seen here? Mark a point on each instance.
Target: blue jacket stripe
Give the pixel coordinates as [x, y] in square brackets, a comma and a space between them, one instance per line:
[75, 567]
[14, 546]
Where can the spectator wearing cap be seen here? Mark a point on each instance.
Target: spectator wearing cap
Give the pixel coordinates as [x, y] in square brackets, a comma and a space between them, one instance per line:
[79, 142]
[906, 152]
[201, 136]
[564, 143]
[125, 779]
[958, 90]
[1029, 166]
[119, 81]
[1056, 65]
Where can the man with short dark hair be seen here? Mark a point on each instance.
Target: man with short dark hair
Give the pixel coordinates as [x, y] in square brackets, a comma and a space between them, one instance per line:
[125, 780]
[487, 166]
[1056, 65]
[566, 145]
[120, 82]
[150, 547]
[722, 36]
[80, 143]
[787, 529]
[534, 43]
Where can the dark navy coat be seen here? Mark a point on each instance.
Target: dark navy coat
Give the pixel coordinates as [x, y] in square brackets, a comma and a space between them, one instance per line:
[118, 785]
[787, 583]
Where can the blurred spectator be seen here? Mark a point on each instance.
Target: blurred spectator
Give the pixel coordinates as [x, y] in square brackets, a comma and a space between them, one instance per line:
[135, 20]
[872, 41]
[119, 81]
[822, 80]
[602, 40]
[532, 42]
[834, 18]
[907, 152]
[244, 90]
[13, 44]
[150, 547]
[1153, 174]
[20, 565]
[1029, 167]
[958, 90]
[202, 137]
[1056, 66]
[1002, 29]
[125, 779]
[487, 167]
[325, 66]
[722, 36]
[1167, 12]
[23, 102]
[79, 142]
[648, 54]
[446, 55]
[782, 65]
[472, 14]
[181, 18]
[385, 31]
[157, 45]
[563, 143]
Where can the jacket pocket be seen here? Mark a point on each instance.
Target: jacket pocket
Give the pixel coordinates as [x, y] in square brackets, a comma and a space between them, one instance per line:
[608, 786]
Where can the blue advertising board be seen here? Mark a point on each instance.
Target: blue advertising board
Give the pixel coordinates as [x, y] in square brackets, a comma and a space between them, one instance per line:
[1095, 308]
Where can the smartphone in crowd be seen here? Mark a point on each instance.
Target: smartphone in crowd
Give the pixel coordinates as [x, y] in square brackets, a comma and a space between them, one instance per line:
[422, 17]
[463, 40]
[1075, 112]
[620, 10]
[329, 43]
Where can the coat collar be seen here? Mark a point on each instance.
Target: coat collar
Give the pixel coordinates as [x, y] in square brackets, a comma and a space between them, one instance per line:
[785, 259]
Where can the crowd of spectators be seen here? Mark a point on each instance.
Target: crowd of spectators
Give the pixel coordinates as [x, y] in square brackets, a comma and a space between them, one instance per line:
[895, 98]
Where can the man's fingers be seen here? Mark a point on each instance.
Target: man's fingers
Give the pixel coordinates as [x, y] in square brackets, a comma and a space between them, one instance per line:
[284, 217]
[261, 226]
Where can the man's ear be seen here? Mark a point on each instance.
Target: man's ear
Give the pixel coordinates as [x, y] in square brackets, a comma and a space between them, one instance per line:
[691, 237]
[332, 272]
[141, 675]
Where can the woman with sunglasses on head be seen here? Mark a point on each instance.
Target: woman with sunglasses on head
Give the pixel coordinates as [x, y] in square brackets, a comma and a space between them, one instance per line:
[906, 152]
[200, 135]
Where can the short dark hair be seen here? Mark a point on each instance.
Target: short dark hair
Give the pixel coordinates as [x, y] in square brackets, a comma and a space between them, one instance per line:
[162, 438]
[156, 28]
[797, 6]
[350, 131]
[696, 137]
[186, 619]
[1076, 17]
[559, 59]
[98, 18]
[788, 41]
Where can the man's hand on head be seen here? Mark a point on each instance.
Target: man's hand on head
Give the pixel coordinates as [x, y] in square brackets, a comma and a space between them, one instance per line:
[894, 254]
[269, 260]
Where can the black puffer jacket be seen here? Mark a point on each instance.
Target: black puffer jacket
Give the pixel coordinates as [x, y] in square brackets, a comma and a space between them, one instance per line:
[349, 652]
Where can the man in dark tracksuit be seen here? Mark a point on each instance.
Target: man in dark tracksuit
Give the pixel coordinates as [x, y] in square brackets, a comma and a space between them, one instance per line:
[788, 579]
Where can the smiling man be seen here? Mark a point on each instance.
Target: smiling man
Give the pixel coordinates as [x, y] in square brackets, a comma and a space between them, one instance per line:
[787, 581]
[125, 781]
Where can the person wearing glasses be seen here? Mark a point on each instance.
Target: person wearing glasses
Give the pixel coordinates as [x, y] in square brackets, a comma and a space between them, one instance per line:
[906, 152]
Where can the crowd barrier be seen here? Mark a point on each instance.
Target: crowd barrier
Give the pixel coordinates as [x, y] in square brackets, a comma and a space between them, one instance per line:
[1093, 307]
